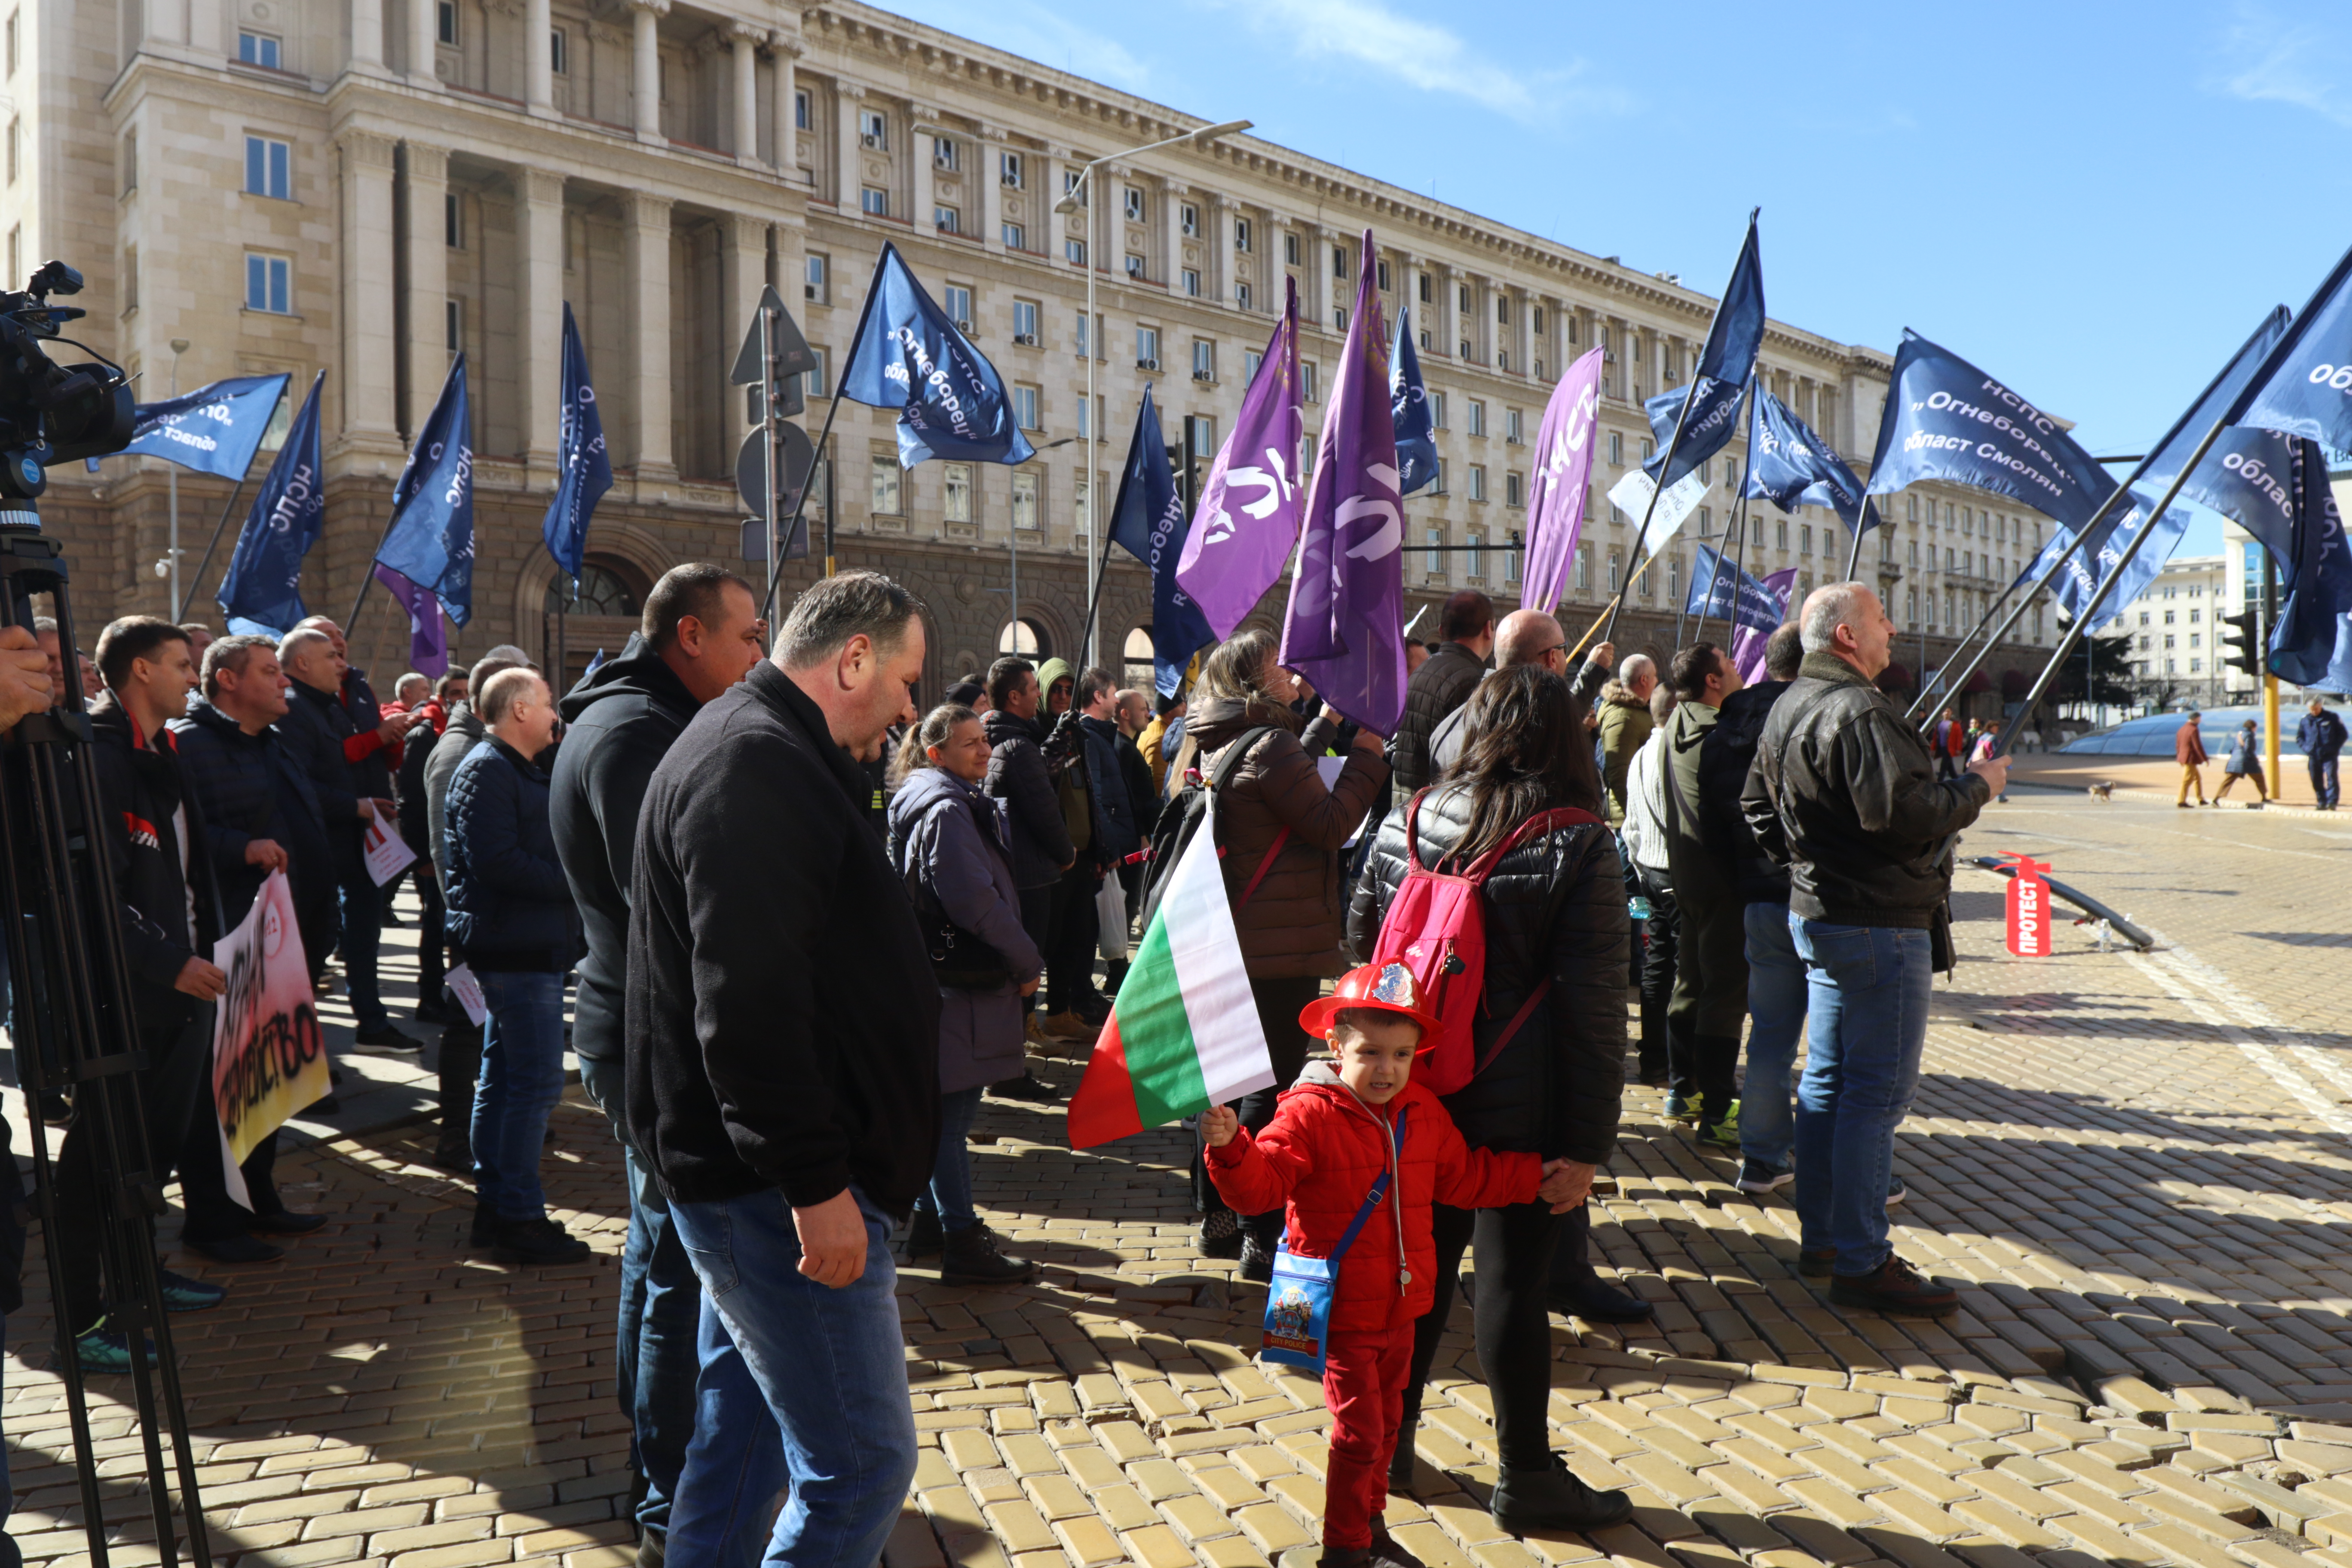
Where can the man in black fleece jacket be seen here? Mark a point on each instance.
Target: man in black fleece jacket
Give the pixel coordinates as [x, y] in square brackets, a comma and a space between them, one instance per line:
[783, 1045]
[701, 634]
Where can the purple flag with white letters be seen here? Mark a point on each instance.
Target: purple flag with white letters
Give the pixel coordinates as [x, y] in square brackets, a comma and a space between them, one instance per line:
[428, 634]
[1563, 472]
[1344, 628]
[1747, 641]
[1248, 518]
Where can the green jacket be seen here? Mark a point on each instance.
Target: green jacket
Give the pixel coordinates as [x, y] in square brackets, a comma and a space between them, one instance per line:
[1625, 728]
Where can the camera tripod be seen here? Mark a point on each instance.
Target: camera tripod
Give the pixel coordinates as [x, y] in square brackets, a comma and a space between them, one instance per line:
[72, 1019]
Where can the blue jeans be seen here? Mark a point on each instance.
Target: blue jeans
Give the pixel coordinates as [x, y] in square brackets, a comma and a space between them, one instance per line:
[362, 907]
[521, 1079]
[949, 1197]
[2323, 780]
[654, 1360]
[831, 1369]
[1868, 988]
[1775, 1020]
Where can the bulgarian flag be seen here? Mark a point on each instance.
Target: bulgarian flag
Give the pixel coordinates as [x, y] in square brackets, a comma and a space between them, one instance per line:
[1183, 1033]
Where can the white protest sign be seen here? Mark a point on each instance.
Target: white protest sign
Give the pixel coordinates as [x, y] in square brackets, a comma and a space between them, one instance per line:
[388, 854]
[468, 993]
[269, 1059]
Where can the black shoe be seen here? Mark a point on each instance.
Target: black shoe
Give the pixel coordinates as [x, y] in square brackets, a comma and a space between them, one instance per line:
[386, 1040]
[286, 1222]
[1554, 1498]
[1816, 1262]
[1400, 1466]
[538, 1243]
[1257, 1262]
[1596, 1301]
[1897, 1286]
[485, 1231]
[1762, 1176]
[1221, 1234]
[454, 1154]
[1388, 1551]
[330, 1106]
[969, 1257]
[234, 1249]
[434, 1013]
[924, 1236]
[57, 1111]
[1027, 1087]
[1345, 1557]
[1094, 1009]
[181, 1294]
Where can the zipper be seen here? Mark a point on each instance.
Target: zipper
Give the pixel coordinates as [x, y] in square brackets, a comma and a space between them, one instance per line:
[1395, 1199]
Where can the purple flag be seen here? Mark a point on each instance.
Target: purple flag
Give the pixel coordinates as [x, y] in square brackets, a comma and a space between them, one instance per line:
[1248, 518]
[1747, 643]
[1344, 628]
[1563, 470]
[428, 634]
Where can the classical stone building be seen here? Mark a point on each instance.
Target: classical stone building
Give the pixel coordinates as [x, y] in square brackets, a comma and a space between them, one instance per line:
[362, 186]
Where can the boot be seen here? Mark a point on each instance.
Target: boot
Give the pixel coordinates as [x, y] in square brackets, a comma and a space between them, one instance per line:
[922, 1235]
[1895, 1287]
[1553, 1497]
[1401, 1462]
[969, 1257]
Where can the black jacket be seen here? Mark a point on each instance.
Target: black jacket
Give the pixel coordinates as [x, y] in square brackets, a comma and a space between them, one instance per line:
[249, 788]
[1453, 731]
[1018, 776]
[506, 907]
[415, 821]
[372, 775]
[139, 790]
[1556, 906]
[623, 717]
[1724, 759]
[782, 1024]
[1143, 795]
[1843, 793]
[465, 732]
[315, 727]
[1120, 836]
[1442, 683]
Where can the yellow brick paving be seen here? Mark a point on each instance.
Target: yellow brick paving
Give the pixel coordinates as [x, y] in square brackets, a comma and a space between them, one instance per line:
[2129, 1166]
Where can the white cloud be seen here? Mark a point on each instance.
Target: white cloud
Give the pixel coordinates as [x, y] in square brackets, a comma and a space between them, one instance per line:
[2272, 62]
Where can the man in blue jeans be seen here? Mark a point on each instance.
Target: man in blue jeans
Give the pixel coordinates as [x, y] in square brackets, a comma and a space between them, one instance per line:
[510, 915]
[781, 1032]
[1843, 794]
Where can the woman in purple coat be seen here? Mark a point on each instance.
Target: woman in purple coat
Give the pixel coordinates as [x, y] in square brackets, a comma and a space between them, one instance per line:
[949, 841]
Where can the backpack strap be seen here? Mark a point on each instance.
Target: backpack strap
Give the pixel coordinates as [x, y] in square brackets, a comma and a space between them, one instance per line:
[1272, 850]
[1227, 765]
[1542, 822]
[1371, 1199]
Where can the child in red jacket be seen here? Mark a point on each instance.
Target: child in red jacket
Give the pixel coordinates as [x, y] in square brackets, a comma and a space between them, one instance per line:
[1344, 1123]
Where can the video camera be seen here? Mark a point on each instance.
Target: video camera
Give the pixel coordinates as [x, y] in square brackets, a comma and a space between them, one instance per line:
[50, 412]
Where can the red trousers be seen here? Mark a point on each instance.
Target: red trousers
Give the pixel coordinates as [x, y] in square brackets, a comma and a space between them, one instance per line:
[1363, 1386]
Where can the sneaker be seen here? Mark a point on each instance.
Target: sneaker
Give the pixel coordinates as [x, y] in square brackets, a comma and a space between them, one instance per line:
[1896, 1192]
[385, 1040]
[1034, 1032]
[970, 1257]
[537, 1243]
[1681, 1110]
[238, 1248]
[1388, 1551]
[1094, 1008]
[1897, 1286]
[103, 1351]
[1028, 1087]
[1553, 1497]
[1724, 1134]
[923, 1234]
[1257, 1262]
[181, 1294]
[1763, 1176]
[434, 1013]
[1816, 1262]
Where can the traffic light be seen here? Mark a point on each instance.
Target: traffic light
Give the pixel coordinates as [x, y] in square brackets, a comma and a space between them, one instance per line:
[2243, 641]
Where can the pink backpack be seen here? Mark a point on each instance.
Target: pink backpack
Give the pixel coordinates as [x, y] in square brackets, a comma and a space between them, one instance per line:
[1436, 927]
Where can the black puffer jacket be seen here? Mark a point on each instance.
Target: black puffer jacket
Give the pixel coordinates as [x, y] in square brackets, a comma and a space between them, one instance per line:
[1018, 776]
[508, 905]
[1442, 683]
[1556, 906]
[139, 790]
[465, 732]
[315, 727]
[249, 788]
[1724, 759]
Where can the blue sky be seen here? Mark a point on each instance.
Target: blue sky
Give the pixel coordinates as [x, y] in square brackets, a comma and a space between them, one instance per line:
[2094, 201]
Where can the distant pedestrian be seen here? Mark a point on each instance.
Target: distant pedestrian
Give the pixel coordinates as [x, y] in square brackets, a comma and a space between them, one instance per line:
[2245, 762]
[2320, 738]
[1042, 850]
[1843, 794]
[1952, 741]
[2188, 751]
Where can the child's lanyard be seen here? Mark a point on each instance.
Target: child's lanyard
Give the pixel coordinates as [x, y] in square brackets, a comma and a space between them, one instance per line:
[1371, 1201]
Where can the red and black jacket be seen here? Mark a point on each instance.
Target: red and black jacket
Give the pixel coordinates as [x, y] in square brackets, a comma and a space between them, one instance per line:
[139, 790]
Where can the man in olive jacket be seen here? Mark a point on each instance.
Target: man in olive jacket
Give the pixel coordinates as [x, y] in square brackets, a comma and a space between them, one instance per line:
[1843, 793]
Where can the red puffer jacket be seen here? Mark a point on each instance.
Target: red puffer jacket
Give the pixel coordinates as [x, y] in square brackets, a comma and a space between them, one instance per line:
[1322, 1152]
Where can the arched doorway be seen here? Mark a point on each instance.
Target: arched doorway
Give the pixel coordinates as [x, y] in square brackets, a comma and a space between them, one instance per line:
[1136, 660]
[1026, 638]
[610, 606]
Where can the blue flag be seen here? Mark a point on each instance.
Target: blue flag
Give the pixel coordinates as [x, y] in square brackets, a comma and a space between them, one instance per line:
[2276, 487]
[1790, 466]
[2304, 386]
[908, 355]
[1416, 437]
[1725, 363]
[1147, 522]
[215, 429]
[430, 539]
[262, 590]
[583, 468]
[1947, 420]
[1720, 590]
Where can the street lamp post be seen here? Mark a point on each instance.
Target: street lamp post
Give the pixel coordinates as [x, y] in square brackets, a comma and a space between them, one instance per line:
[1077, 199]
[171, 478]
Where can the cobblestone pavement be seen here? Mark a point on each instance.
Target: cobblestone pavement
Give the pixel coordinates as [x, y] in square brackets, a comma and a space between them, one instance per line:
[2135, 1167]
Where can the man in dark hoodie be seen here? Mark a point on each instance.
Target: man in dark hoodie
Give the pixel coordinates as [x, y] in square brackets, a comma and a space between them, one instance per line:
[169, 911]
[1442, 683]
[700, 634]
[1042, 849]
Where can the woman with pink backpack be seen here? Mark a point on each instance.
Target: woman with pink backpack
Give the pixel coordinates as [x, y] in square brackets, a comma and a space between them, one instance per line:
[1500, 888]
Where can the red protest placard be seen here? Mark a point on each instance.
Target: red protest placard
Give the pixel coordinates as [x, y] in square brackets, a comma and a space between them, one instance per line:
[2029, 910]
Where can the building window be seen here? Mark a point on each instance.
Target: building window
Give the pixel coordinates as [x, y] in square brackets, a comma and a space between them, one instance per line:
[813, 380]
[1076, 187]
[944, 154]
[252, 49]
[886, 486]
[1008, 170]
[445, 23]
[959, 303]
[1024, 323]
[1025, 498]
[1477, 416]
[1082, 339]
[1478, 481]
[1433, 560]
[1191, 283]
[1512, 557]
[1584, 568]
[816, 286]
[1025, 408]
[453, 324]
[1075, 250]
[1437, 410]
[1673, 578]
[872, 129]
[1477, 554]
[453, 232]
[269, 281]
[1133, 203]
[800, 109]
[1015, 237]
[1290, 250]
[1616, 571]
[1146, 348]
[1806, 535]
[1204, 360]
[874, 203]
[1134, 265]
[1251, 359]
[130, 163]
[1339, 319]
[1308, 382]
[130, 285]
[1242, 295]
[1188, 219]
[1079, 500]
[1202, 430]
[1382, 268]
[1339, 261]
[1242, 234]
[1514, 489]
[269, 166]
[955, 484]
[947, 220]
[559, 54]
[12, 43]
[1512, 426]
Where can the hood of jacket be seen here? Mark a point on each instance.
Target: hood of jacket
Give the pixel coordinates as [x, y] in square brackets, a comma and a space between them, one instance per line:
[1616, 696]
[636, 672]
[926, 788]
[1215, 720]
[1051, 671]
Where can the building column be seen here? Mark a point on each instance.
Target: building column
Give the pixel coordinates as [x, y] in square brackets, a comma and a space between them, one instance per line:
[1171, 237]
[367, 36]
[539, 279]
[1523, 334]
[743, 264]
[1221, 252]
[921, 183]
[539, 58]
[424, 42]
[847, 98]
[1041, 169]
[427, 250]
[988, 188]
[781, 115]
[647, 217]
[368, 340]
[644, 98]
[744, 39]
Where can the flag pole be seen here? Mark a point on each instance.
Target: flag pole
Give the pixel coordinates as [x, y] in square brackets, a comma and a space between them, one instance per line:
[1607, 610]
[776, 574]
[1739, 557]
[367, 574]
[196, 582]
[1735, 524]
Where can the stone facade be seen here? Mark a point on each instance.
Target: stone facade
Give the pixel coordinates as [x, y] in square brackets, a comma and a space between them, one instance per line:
[360, 186]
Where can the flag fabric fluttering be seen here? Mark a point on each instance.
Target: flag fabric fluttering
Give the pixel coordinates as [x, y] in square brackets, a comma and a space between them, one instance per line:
[1416, 431]
[1790, 466]
[216, 430]
[428, 634]
[1631, 495]
[583, 469]
[1720, 377]
[430, 539]
[2276, 485]
[1344, 628]
[2305, 385]
[1184, 1032]
[1720, 590]
[1247, 523]
[1947, 420]
[261, 592]
[909, 356]
[1562, 479]
[1148, 522]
